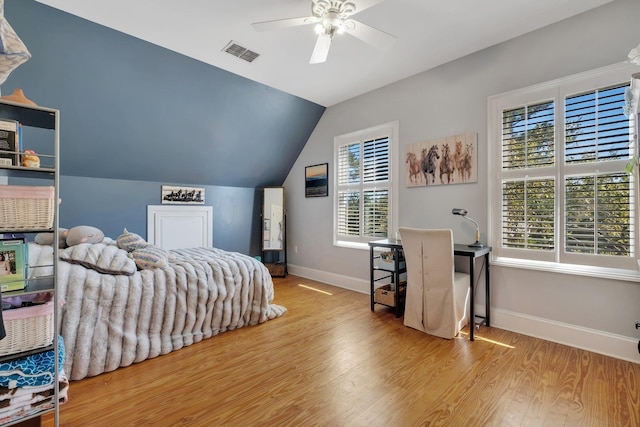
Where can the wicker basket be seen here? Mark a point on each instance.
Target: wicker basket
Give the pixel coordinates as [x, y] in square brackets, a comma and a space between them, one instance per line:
[387, 295]
[24, 207]
[28, 328]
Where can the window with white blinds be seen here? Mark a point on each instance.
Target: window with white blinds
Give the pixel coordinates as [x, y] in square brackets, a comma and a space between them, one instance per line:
[560, 183]
[364, 185]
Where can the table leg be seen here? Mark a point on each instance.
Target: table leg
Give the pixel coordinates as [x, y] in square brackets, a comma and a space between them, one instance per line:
[472, 309]
[371, 276]
[487, 286]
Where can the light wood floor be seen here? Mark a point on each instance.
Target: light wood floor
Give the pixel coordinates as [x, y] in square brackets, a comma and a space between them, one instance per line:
[330, 361]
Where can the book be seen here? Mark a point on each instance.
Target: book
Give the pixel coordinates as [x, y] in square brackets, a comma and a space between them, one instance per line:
[19, 136]
[12, 264]
[9, 143]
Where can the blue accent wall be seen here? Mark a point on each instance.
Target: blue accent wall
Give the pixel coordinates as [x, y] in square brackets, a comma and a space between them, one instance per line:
[135, 116]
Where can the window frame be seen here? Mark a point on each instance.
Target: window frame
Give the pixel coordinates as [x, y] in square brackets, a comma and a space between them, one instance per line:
[558, 260]
[389, 130]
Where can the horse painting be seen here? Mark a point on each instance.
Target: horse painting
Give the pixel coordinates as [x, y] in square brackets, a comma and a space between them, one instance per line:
[429, 163]
[446, 165]
[442, 161]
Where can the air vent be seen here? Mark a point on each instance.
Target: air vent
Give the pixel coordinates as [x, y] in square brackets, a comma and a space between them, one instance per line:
[241, 52]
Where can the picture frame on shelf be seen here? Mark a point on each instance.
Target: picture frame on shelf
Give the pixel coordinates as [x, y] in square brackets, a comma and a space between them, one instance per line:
[9, 143]
[316, 180]
[12, 264]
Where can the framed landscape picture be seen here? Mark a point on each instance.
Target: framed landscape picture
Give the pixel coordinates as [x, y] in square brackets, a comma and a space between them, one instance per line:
[316, 180]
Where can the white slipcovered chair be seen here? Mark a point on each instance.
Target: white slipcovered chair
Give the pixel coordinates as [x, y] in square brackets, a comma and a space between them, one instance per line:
[437, 300]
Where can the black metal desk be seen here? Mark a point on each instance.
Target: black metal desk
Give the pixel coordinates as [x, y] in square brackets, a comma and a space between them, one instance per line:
[473, 254]
[459, 250]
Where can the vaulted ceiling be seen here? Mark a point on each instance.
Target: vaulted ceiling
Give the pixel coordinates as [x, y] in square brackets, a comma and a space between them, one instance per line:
[428, 33]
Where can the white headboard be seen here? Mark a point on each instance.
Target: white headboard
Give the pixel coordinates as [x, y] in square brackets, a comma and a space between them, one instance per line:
[179, 226]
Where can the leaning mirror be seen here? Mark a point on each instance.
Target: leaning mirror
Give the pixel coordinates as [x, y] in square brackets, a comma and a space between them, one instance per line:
[273, 219]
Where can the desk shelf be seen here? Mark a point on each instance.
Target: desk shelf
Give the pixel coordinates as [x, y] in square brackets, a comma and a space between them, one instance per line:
[388, 279]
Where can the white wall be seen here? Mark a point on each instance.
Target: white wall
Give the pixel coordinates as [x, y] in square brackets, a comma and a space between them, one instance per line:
[597, 314]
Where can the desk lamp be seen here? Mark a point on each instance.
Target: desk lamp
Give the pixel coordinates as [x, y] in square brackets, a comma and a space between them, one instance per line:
[463, 213]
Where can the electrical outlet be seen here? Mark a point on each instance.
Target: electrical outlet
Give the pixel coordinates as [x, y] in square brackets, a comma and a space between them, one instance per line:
[637, 324]
[295, 250]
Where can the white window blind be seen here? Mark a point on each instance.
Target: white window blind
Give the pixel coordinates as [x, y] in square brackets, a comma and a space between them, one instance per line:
[598, 204]
[364, 185]
[560, 183]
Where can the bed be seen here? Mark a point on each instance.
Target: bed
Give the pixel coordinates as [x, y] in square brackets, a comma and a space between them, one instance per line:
[114, 314]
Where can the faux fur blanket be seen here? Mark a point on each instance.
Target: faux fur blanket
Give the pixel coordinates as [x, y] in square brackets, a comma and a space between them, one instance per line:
[114, 320]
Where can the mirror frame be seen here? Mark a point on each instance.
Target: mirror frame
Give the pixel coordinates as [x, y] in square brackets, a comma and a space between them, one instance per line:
[269, 195]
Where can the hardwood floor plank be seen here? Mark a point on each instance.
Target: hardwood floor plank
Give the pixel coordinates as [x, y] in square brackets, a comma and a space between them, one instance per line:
[331, 361]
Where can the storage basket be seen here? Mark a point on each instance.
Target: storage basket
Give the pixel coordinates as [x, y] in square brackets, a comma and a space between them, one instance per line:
[25, 207]
[276, 270]
[27, 328]
[391, 265]
[386, 294]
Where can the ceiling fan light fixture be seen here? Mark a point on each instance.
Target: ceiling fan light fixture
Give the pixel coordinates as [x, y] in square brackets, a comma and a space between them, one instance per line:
[333, 17]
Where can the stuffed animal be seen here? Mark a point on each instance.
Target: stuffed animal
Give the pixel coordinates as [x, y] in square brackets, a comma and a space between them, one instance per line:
[144, 254]
[30, 159]
[84, 234]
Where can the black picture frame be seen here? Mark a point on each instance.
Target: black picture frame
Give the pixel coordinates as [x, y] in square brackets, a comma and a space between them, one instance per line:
[177, 195]
[316, 180]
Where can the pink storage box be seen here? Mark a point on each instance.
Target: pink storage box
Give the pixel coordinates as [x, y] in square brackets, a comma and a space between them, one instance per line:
[25, 207]
[27, 328]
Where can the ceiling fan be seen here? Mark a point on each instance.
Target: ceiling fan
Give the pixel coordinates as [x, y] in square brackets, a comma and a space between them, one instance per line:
[333, 17]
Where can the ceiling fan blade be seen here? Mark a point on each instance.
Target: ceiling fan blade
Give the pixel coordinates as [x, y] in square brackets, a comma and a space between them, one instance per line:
[366, 4]
[284, 23]
[372, 36]
[321, 50]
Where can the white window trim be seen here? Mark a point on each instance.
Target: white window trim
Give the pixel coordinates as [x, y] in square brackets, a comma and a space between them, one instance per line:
[390, 129]
[589, 80]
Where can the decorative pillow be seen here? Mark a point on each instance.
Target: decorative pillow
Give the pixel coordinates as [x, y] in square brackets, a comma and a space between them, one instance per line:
[104, 258]
[149, 257]
[130, 241]
[46, 239]
[84, 234]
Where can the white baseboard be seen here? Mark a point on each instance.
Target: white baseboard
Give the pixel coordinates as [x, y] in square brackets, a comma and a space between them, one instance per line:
[600, 342]
[339, 280]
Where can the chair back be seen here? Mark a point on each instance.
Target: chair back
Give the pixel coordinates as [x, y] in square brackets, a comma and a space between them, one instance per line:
[431, 294]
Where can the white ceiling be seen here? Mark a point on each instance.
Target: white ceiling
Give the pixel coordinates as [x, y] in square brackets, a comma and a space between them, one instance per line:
[429, 33]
